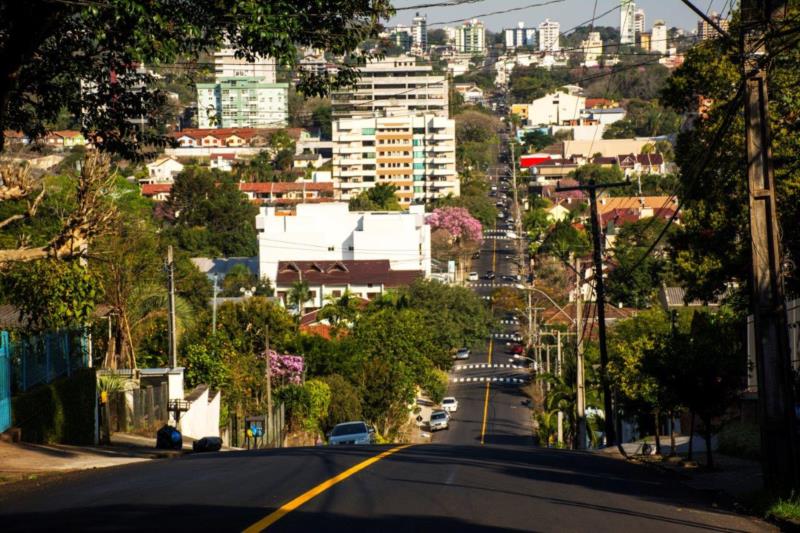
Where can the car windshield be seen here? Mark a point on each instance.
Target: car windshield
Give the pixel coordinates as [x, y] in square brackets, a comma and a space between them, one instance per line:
[349, 429]
[437, 416]
[449, 400]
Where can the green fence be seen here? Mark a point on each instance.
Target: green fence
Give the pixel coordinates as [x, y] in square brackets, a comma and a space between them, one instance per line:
[39, 359]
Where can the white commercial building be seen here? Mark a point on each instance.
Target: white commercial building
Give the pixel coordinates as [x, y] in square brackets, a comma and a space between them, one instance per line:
[334, 249]
[627, 22]
[471, 38]
[549, 33]
[555, 108]
[392, 86]
[415, 153]
[658, 39]
[519, 37]
[227, 65]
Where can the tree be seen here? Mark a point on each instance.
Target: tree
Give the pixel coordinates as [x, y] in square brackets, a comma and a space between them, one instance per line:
[535, 140]
[298, 295]
[381, 197]
[240, 277]
[477, 141]
[345, 404]
[644, 119]
[565, 239]
[49, 51]
[341, 312]
[598, 174]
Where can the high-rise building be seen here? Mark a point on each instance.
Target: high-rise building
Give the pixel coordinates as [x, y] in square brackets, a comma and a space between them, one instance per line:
[549, 33]
[393, 86]
[592, 47]
[227, 65]
[419, 33]
[415, 153]
[471, 37]
[639, 25]
[643, 40]
[401, 36]
[242, 103]
[627, 22]
[706, 31]
[519, 37]
[658, 39]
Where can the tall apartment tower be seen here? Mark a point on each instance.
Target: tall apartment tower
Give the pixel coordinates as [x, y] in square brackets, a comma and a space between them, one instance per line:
[639, 21]
[706, 31]
[227, 65]
[549, 33]
[658, 39]
[419, 33]
[627, 22]
[471, 37]
[519, 37]
[393, 86]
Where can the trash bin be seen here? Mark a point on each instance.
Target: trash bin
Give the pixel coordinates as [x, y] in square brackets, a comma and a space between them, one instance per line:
[169, 438]
[207, 444]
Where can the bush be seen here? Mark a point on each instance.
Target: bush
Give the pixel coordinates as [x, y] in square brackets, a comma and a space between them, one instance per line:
[345, 404]
[306, 405]
[59, 412]
[740, 439]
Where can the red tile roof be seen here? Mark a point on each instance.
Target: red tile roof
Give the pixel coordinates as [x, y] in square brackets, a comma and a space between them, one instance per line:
[285, 186]
[244, 133]
[151, 189]
[374, 271]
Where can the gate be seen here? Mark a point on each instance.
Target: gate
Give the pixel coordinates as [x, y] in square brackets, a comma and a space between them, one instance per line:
[5, 383]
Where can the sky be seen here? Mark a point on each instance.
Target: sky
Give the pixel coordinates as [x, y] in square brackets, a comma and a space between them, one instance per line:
[569, 13]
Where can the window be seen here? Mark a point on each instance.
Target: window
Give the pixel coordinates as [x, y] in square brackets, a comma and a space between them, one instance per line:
[367, 131]
[419, 130]
[419, 154]
[330, 248]
[336, 294]
[419, 166]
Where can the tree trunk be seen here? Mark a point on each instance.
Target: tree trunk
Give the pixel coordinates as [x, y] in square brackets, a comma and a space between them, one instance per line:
[672, 452]
[709, 456]
[691, 437]
[658, 432]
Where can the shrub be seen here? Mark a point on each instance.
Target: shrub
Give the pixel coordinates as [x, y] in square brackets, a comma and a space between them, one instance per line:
[345, 403]
[740, 439]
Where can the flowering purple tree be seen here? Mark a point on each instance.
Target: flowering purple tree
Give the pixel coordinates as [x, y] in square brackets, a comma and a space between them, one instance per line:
[462, 227]
[287, 367]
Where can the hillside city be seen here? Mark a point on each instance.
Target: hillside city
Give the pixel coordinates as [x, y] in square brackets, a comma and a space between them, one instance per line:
[355, 268]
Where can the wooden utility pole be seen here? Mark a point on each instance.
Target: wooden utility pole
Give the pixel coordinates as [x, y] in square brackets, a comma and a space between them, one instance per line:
[270, 420]
[173, 330]
[600, 290]
[773, 361]
[581, 385]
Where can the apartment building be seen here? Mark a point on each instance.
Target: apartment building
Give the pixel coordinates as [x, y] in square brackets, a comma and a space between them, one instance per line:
[592, 48]
[392, 86]
[639, 21]
[706, 31]
[242, 103]
[627, 22]
[549, 34]
[519, 37]
[471, 37]
[419, 33]
[658, 39]
[227, 65]
[416, 154]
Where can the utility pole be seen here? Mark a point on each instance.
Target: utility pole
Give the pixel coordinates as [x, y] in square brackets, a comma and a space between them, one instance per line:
[270, 421]
[581, 385]
[214, 307]
[597, 250]
[775, 394]
[559, 363]
[173, 330]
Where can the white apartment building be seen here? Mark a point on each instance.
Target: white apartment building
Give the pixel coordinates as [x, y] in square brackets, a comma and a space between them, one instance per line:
[419, 33]
[415, 153]
[392, 86]
[592, 48]
[627, 22]
[658, 39]
[227, 65]
[639, 21]
[471, 37]
[555, 108]
[519, 37]
[242, 103]
[330, 232]
[549, 33]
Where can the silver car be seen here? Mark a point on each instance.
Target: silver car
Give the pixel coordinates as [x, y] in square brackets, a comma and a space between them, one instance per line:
[439, 420]
[463, 353]
[351, 433]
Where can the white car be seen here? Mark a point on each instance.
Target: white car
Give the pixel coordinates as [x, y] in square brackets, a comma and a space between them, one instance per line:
[439, 420]
[450, 404]
[472, 276]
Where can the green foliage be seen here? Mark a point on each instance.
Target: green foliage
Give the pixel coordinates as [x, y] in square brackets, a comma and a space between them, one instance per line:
[644, 119]
[58, 412]
[381, 197]
[535, 140]
[473, 198]
[634, 77]
[239, 277]
[565, 239]
[51, 294]
[306, 405]
[740, 439]
[477, 140]
[345, 402]
[530, 83]
[598, 174]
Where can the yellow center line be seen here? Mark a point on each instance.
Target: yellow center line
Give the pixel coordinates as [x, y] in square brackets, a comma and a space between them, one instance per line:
[290, 506]
[486, 398]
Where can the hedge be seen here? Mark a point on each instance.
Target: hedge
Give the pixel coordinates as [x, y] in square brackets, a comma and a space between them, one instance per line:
[59, 412]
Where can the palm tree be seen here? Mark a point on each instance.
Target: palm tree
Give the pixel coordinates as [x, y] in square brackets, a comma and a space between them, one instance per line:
[298, 295]
[341, 311]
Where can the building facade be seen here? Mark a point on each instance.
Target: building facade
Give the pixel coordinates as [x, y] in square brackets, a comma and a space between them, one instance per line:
[627, 22]
[639, 21]
[401, 37]
[471, 38]
[419, 33]
[555, 109]
[549, 34]
[227, 65]
[592, 48]
[242, 103]
[395, 85]
[520, 37]
[415, 153]
[658, 38]
[706, 31]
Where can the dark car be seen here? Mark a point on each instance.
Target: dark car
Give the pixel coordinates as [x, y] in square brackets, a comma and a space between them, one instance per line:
[476, 255]
[489, 274]
[509, 279]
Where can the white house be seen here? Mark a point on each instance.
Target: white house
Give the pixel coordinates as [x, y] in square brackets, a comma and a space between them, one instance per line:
[163, 170]
[326, 244]
[555, 108]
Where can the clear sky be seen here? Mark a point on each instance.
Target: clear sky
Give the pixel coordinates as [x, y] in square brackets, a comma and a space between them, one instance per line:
[568, 12]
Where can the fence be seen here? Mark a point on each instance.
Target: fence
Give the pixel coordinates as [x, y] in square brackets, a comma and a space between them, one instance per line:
[42, 358]
[139, 410]
[5, 383]
[237, 435]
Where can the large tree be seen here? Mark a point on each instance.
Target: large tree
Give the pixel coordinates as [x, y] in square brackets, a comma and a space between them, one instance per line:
[85, 56]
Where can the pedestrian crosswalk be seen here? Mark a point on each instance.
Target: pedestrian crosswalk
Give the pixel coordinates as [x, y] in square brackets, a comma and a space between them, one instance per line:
[478, 284]
[487, 379]
[512, 336]
[510, 322]
[476, 366]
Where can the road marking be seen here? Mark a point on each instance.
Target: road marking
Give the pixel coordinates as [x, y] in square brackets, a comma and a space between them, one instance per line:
[485, 413]
[290, 506]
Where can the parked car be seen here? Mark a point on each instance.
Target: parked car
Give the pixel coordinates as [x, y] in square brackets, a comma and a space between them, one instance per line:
[439, 420]
[463, 353]
[489, 275]
[517, 349]
[351, 433]
[450, 404]
[472, 276]
[510, 279]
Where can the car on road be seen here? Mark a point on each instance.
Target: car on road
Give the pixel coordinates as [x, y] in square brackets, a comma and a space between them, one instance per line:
[516, 349]
[472, 276]
[500, 215]
[489, 275]
[450, 404]
[476, 255]
[351, 433]
[510, 279]
[463, 353]
[439, 420]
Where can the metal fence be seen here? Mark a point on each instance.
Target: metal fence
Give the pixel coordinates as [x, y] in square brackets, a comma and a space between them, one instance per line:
[139, 410]
[5, 383]
[42, 358]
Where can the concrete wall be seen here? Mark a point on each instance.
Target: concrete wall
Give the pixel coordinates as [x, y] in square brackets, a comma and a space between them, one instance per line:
[202, 418]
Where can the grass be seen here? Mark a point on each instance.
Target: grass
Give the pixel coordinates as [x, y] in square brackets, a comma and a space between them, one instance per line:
[785, 508]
